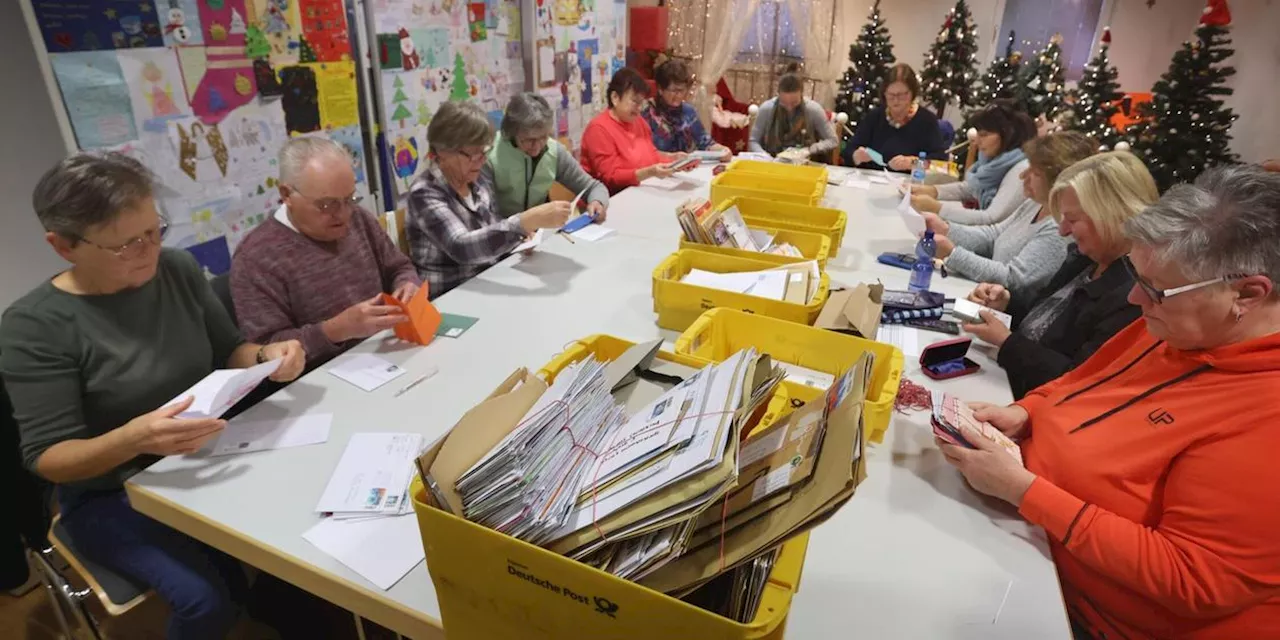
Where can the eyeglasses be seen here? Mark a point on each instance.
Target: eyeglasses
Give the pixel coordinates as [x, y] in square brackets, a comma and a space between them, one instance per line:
[1158, 295]
[331, 205]
[473, 156]
[136, 247]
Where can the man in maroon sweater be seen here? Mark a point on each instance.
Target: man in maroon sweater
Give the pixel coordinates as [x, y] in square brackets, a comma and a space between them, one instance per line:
[315, 271]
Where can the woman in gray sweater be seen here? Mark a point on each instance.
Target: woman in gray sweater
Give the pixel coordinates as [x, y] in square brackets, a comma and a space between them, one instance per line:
[1024, 250]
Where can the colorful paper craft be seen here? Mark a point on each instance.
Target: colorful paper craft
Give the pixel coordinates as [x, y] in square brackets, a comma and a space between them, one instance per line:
[76, 25]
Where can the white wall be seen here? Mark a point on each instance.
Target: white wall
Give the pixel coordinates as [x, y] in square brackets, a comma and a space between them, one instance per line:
[30, 143]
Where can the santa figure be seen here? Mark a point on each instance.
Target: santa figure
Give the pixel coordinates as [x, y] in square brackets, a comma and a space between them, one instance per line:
[408, 53]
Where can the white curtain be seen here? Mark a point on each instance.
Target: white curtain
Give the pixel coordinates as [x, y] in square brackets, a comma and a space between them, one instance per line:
[821, 61]
[726, 24]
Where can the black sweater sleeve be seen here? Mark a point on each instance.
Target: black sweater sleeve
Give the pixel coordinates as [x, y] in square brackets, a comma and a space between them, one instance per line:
[1031, 364]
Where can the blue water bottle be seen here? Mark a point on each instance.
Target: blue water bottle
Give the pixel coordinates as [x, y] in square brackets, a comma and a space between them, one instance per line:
[919, 168]
[922, 270]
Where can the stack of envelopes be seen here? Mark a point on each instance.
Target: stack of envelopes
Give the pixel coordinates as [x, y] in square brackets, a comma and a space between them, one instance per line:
[634, 466]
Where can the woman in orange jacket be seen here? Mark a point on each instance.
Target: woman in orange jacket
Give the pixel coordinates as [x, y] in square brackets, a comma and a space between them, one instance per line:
[1153, 466]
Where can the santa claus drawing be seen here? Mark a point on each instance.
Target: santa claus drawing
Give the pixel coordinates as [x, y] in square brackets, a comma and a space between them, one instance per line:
[408, 53]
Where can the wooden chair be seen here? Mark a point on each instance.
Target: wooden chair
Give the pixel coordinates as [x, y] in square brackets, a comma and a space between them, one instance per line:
[116, 593]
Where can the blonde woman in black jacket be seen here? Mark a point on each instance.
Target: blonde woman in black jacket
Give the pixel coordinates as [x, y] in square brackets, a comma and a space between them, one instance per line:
[1085, 303]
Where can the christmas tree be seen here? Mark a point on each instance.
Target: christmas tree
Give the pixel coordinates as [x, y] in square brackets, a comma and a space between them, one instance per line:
[255, 43]
[402, 112]
[1096, 97]
[1187, 129]
[460, 89]
[305, 52]
[1041, 84]
[870, 57]
[424, 113]
[949, 67]
[1000, 82]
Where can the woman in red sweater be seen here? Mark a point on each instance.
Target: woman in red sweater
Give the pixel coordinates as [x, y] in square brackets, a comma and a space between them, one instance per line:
[1152, 466]
[617, 146]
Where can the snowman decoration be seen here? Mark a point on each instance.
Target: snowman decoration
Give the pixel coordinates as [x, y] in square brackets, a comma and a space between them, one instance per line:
[177, 27]
[408, 52]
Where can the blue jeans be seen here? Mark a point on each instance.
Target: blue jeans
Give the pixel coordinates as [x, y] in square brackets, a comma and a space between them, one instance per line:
[203, 587]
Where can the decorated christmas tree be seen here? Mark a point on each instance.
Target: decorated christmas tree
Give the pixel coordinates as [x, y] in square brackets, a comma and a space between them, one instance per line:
[870, 58]
[424, 113]
[1041, 84]
[460, 89]
[950, 66]
[401, 113]
[255, 43]
[305, 52]
[1187, 128]
[1096, 97]
[1000, 82]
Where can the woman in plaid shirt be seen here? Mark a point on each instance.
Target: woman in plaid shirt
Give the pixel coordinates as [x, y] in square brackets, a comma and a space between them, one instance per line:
[453, 225]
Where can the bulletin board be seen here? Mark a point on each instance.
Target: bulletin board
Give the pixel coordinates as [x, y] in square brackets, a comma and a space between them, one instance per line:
[430, 51]
[577, 47]
[204, 93]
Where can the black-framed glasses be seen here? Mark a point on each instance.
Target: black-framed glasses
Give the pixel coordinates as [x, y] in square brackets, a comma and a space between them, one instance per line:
[135, 247]
[332, 205]
[1159, 295]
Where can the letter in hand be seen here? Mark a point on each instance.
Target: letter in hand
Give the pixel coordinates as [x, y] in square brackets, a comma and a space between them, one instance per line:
[294, 358]
[162, 433]
[364, 319]
[990, 330]
[860, 156]
[551, 215]
[992, 296]
[659, 171]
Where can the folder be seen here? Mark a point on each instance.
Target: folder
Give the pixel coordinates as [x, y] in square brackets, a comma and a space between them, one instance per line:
[423, 320]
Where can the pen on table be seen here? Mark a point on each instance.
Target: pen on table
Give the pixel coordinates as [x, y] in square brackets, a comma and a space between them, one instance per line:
[416, 381]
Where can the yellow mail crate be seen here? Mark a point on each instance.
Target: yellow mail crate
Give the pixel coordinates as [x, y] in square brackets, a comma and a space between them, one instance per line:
[679, 304]
[720, 333]
[812, 246]
[491, 585]
[815, 172]
[757, 212]
[732, 184]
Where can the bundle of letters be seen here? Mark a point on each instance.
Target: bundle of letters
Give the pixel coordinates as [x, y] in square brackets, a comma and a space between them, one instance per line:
[704, 224]
[638, 466]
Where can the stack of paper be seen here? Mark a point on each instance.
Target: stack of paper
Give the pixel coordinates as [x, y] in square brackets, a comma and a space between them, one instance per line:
[651, 459]
[366, 525]
[765, 284]
[954, 422]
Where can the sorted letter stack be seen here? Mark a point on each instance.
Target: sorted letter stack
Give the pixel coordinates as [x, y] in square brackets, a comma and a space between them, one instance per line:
[705, 224]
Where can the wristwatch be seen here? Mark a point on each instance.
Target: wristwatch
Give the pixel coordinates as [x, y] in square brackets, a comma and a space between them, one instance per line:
[262, 354]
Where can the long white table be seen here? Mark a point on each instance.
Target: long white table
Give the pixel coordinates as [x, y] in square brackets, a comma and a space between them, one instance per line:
[915, 554]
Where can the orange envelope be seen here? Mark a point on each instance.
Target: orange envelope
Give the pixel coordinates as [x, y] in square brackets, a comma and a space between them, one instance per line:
[424, 319]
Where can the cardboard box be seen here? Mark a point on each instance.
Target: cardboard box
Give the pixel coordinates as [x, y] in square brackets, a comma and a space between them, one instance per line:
[853, 311]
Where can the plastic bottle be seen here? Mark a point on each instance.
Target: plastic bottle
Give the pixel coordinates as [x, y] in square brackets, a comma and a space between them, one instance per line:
[919, 169]
[922, 271]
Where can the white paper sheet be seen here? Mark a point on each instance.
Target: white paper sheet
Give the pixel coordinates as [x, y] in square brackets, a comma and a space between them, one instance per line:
[531, 243]
[901, 336]
[365, 370]
[244, 437]
[221, 389]
[910, 217]
[372, 474]
[382, 550]
[593, 233]
[673, 182]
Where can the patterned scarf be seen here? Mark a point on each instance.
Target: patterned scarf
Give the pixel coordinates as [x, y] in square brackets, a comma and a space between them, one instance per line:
[787, 130]
[670, 124]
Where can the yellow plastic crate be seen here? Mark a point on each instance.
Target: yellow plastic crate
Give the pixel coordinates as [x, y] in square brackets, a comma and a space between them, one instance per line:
[815, 172]
[794, 217]
[734, 184]
[812, 246]
[679, 304]
[490, 585]
[720, 333]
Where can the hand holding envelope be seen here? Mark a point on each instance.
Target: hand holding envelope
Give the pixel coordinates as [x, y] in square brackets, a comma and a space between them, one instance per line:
[423, 318]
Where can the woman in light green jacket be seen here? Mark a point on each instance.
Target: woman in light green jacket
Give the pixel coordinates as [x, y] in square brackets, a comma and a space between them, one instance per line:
[525, 161]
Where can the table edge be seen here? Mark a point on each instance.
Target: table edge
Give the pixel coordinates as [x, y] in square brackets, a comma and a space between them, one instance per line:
[304, 575]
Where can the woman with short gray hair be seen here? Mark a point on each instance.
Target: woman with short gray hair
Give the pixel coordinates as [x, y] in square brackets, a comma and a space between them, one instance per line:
[93, 359]
[526, 160]
[1151, 466]
[453, 224]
